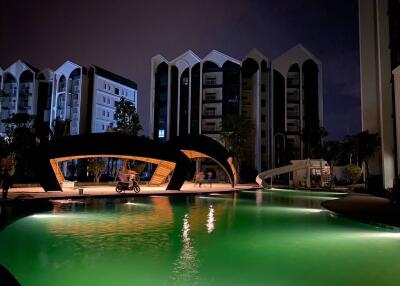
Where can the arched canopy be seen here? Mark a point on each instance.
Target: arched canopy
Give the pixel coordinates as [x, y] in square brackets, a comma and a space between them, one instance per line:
[200, 146]
[169, 157]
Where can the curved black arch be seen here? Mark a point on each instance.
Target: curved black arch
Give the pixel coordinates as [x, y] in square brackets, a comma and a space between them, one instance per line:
[206, 147]
[108, 145]
[170, 156]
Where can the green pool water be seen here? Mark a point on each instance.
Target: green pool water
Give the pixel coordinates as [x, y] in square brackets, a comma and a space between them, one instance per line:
[251, 238]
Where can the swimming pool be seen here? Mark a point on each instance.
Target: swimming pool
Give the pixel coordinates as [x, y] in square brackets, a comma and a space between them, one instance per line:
[277, 237]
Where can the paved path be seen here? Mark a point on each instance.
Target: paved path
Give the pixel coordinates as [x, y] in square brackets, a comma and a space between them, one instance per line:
[366, 208]
[101, 191]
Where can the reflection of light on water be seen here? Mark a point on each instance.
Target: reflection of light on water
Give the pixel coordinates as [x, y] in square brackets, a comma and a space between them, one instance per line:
[259, 197]
[394, 235]
[185, 268]
[138, 204]
[49, 216]
[186, 229]
[210, 220]
[297, 210]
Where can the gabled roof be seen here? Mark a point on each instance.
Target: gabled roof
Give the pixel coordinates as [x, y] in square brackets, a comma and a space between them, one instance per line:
[48, 73]
[219, 58]
[158, 59]
[296, 55]
[256, 55]
[68, 66]
[18, 67]
[189, 56]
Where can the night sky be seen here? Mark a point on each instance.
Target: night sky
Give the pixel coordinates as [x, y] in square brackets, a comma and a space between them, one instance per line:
[122, 36]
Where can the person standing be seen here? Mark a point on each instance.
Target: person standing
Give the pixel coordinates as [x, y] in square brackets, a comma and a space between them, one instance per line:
[6, 183]
[209, 178]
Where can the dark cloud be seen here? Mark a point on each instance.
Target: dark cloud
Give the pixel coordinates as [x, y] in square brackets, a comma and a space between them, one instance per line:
[123, 36]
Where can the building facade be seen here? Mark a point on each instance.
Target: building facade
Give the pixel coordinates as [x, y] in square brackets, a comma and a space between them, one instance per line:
[190, 95]
[379, 31]
[64, 94]
[297, 103]
[105, 90]
[18, 91]
[70, 96]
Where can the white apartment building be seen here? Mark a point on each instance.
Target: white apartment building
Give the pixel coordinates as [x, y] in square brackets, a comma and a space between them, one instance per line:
[69, 93]
[297, 103]
[190, 95]
[105, 90]
[19, 91]
[69, 96]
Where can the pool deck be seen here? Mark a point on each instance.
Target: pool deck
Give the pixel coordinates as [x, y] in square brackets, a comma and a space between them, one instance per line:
[366, 208]
[109, 191]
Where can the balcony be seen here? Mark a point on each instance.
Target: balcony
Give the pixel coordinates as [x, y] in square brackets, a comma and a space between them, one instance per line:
[211, 114]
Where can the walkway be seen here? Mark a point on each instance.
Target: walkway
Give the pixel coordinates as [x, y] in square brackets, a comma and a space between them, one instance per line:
[102, 191]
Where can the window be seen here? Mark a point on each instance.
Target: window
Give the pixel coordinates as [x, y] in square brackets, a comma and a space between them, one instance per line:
[108, 100]
[116, 91]
[108, 114]
[104, 99]
[103, 113]
[161, 133]
[105, 86]
[185, 81]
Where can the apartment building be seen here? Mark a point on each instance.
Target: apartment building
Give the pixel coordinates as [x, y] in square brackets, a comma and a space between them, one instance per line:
[193, 95]
[379, 31]
[105, 90]
[19, 91]
[297, 103]
[64, 94]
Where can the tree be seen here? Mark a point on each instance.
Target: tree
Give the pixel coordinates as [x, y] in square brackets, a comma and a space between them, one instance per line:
[21, 140]
[353, 173]
[236, 133]
[127, 118]
[312, 138]
[331, 152]
[61, 128]
[97, 167]
[127, 121]
[367, 146]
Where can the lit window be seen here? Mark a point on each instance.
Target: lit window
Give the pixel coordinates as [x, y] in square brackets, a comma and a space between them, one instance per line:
[161, 133]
